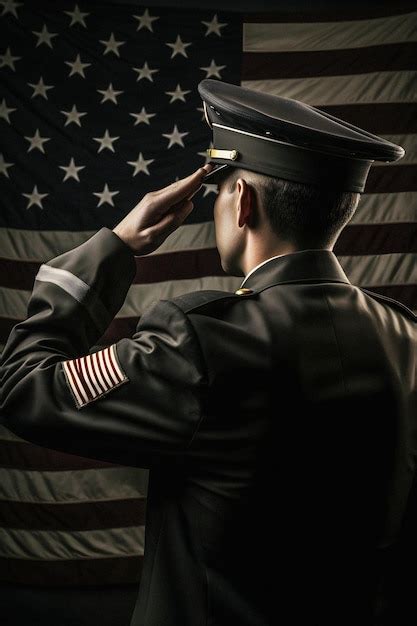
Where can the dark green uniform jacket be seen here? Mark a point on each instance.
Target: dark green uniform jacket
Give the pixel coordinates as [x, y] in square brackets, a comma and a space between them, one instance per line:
[279, 427]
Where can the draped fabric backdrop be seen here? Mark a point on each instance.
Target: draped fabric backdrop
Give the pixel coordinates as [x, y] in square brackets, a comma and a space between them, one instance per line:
[99, 105]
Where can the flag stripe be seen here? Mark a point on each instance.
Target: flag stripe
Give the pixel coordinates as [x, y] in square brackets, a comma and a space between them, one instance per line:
[55, 545]
[86, 516]
[82, 485]
[347, 12]
[72, 572]
[272, 65]
[19, 454]
[330, 36]
[375, 87]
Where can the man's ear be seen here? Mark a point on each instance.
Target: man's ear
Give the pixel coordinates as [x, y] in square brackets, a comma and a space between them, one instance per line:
[246, 202]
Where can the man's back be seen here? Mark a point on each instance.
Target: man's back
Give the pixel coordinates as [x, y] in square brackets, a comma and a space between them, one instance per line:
[291, 500]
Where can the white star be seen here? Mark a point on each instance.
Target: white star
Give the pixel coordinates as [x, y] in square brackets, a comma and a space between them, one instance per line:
[8, 59]
[9, 6]
[106, 141]
[37, 142]
[40, 89]
[109, 94]
[175, 137]
[4, 166]
[35, 197]
[106, 196]
[178, 94]
[112, 45]
[145, 72]
[213, 69]
[77, 67]
[178, 47]
[203, 117]
[71, 170]
[210, 189]
[214, 26]
[142, 116]
[140, 165]
[44, 36]
[73, 116]
[4, 111]
[77, 17]
[145, 20]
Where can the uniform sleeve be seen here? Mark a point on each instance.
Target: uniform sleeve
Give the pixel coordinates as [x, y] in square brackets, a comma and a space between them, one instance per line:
[134, 402]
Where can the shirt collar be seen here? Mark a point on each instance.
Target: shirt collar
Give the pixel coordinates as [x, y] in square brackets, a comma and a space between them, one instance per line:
[256, 267]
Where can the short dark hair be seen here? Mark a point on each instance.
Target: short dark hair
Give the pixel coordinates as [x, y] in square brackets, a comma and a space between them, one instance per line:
[306, 215]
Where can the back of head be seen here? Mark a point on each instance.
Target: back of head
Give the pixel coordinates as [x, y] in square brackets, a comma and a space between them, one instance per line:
[308, 216]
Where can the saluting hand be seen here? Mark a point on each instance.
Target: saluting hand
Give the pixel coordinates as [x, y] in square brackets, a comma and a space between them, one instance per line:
[159, 213]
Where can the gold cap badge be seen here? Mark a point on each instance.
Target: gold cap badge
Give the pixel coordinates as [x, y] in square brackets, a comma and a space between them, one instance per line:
[243, 292]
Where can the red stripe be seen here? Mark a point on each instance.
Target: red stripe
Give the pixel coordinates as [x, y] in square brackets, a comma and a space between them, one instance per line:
[73, 516]
[75, 383]
[82, 379]
[337, 13]
[279, 65]
[107, 369]
[102, 372]
[116, 373]
[28, 456]
[108, 571]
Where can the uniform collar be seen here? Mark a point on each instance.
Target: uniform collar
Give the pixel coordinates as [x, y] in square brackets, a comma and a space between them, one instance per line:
[302, 266]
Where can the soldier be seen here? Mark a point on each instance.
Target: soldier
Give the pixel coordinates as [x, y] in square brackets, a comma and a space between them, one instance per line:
[279, 421]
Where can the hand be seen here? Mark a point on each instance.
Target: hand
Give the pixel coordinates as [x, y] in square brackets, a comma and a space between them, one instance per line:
[159, 213]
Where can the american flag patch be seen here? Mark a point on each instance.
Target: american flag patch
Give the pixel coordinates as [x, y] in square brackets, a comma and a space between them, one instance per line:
[92, 376]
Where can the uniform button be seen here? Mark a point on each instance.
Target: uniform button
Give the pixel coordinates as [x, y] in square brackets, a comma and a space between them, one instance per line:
[243, 292]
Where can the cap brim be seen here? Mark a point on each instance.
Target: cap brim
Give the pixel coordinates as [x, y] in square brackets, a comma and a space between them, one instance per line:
[217, 174]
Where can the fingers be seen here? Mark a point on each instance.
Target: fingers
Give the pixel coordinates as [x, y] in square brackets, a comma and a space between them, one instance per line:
[185, 187]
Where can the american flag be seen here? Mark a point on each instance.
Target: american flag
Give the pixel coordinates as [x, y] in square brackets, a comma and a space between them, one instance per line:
[98, 106]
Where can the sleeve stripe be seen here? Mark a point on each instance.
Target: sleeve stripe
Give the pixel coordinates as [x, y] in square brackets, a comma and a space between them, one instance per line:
[72, 382]
[93, 375]
[103, 368]
[76, 385]
[86, 378]
[97, 369]
[109, 367]
[81, 379]
[116, 364]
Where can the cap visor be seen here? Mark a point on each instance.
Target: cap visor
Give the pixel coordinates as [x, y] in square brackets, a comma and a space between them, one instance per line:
[217, 173]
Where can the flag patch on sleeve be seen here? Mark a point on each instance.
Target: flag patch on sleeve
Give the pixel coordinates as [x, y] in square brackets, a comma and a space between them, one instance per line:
[94, 375]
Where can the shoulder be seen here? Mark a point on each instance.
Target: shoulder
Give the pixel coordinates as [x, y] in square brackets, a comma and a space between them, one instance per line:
[395, 304]
[205, 300]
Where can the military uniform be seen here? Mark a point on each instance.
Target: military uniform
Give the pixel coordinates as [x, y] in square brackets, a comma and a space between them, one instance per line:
[279, 424]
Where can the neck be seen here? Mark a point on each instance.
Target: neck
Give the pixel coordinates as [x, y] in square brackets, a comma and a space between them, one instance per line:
[256, 254]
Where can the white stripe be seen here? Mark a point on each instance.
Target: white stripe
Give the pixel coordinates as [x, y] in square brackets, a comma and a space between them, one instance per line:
[70, 283]
[73, 387]
[92, 373]
[86, 377]
[109, 383]
[381, 269]
[97, 370]
[85, 485]
[57, 545]
[38, 246]
[108, 361]
[297, 37]
[386, 208]
[80, 385]
[374, 87]
[116, 364]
